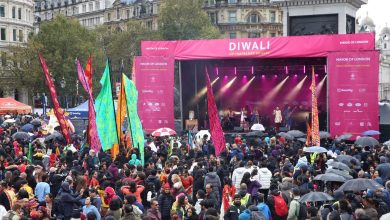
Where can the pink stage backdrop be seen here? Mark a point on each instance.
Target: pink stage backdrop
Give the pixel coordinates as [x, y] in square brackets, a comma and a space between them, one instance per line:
[275, 47]
[154, 79]
[353, 92]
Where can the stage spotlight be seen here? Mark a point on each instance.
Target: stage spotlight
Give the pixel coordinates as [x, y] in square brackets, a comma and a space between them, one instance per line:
[253, 70]
[316, 75]
[271, 94]
[295, 91]
[275, 75]
[325, 69]
[304, 69]
[217, 71]
[202, 92]
[263, 76]
[320, 85]
[225, 88]
[286, 69]
[235, 70]
[243, 89]
[295, 75]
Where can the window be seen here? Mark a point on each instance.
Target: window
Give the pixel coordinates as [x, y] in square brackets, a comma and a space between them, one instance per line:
[253, 35]
[149, 25]
[19, 13]
[14, 34]
[109, 17]
[2, 11]
[232, 35]
[13, 12]
[254, 18]
[74, 10]
[118, 15]
[2, 33]
[20, 36]
[232, 1]
[3, 58]
[212, 16]
[128, 13]
[384, 46]
[91, 6]
[97, 5]
[211, 2]
[254, 1]
[273, 34]
[84, 8]
[27, 18]
[232, 17]
[272, 17]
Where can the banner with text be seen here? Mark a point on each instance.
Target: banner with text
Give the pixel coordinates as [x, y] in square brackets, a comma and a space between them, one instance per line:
[154, 79]
[353, 92]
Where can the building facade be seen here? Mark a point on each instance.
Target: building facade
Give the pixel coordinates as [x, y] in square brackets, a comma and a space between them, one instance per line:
[384, 66]
[245, 18]
[309, 17]
[90, 13]
[121, 12]
[16, 23]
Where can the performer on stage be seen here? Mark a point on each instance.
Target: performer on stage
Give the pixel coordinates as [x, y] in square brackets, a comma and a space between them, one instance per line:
[278, 118]
[255, 118]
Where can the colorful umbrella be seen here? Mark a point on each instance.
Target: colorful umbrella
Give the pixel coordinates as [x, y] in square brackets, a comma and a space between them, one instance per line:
[163, 132]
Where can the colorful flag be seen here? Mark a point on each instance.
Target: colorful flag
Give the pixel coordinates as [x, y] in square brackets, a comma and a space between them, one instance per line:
[92, 136]
[308, 133]
[30, 153]
[315, 133]
[120, 117]
[88, 72]
[215, 125]
[59, 113]
[105, 113]
[137, 134]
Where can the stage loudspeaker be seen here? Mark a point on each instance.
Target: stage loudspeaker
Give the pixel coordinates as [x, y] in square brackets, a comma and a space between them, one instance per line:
[283, 129]
[238, 129]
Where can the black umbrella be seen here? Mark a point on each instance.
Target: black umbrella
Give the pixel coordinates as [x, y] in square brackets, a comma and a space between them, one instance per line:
[346, 159]
[338, 165]
[286, 135]
[324, 135]
[21, 136]
[36, 122]
[255, 133]
[54, 136]
[316, 197]
[330, 177]
[303, 140]
[359, 184]
[27, 128]
[340, 173]
[296, 133]
[343, 137]
[366, 141]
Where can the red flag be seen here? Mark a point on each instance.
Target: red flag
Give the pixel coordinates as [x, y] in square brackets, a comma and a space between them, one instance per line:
[315, 130]
[88, 72]
[59, 113]
[308, 133]
[215, 125]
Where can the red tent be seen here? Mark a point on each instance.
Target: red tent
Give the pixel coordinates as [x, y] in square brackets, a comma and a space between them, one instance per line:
[10, 105]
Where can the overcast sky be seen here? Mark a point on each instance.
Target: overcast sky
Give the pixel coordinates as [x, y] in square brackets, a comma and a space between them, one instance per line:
[378, 10]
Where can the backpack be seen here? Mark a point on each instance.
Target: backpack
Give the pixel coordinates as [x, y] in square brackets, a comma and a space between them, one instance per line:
[280, 206]
[256, 215]
[302, 214]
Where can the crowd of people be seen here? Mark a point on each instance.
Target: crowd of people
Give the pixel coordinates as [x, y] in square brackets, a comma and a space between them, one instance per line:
[261, 179]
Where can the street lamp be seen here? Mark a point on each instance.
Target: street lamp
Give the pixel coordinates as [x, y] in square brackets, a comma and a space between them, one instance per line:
[63, 82]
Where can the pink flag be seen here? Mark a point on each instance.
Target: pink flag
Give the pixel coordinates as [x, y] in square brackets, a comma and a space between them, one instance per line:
[217, 135]
[93, 137]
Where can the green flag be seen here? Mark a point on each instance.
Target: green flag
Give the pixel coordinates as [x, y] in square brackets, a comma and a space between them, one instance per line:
[30, 153]
[105, 113]
[132, 116]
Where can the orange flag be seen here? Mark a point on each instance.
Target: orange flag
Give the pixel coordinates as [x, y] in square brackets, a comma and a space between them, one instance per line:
[315, 138]
[88, 72]
[120, 117]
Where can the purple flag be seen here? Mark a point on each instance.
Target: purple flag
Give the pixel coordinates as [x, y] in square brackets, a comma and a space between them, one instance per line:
[93, 137]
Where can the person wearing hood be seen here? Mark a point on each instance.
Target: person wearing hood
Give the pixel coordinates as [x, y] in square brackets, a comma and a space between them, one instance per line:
[213, 179]
[153, 178]
[265, 179]
[68, 200]
[165, 201]
[134, 161]
[212, 195]
[252, 212]
[238, 173]
[263, 208]
[384, 169]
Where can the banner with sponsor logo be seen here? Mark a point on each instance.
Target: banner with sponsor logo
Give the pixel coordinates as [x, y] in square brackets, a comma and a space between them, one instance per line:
[154, 79]
[296, 46]
[353, 92]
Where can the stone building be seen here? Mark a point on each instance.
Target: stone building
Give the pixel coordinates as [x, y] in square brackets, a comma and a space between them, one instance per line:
[245, 18]
[16, 23]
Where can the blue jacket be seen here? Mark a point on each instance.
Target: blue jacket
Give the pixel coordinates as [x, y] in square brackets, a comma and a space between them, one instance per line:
[246, 215]
[263, 208]
[93, 209]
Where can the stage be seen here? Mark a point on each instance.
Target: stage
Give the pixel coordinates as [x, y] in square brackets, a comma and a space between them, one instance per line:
[261, 74]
